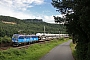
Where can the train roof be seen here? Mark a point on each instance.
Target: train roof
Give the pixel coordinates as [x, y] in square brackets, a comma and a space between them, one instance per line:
[22, 35]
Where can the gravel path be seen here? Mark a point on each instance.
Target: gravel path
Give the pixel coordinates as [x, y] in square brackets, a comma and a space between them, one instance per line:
[61, 52]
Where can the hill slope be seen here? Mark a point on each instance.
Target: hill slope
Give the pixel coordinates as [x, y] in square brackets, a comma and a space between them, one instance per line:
[10, 25]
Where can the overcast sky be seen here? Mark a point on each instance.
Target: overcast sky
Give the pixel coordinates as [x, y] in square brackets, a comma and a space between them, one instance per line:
[29, 9]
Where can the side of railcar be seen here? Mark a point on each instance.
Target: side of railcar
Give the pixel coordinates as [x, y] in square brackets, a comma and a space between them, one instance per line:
[22, 39]
[35, 38]
[31, 38]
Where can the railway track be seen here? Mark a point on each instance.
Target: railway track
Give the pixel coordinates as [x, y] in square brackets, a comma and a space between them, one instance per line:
[26, 46]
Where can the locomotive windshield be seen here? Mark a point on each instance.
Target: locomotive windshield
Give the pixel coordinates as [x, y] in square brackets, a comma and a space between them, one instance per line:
[15, 36]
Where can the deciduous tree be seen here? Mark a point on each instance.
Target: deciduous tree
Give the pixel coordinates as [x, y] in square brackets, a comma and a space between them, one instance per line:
[77, 22]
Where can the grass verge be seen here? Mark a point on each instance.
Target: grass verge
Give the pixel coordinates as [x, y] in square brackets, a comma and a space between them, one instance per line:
[73, 50]
[34, 52]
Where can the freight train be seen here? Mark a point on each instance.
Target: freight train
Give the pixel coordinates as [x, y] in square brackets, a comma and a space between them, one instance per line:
[44, 35]
[18, 39]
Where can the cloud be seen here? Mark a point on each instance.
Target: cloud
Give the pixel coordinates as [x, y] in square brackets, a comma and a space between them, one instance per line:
[20, 4]
[50, 19]
[22, 15]
[18, 9]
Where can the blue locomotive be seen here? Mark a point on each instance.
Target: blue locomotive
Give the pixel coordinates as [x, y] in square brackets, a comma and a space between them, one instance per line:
[18, 39]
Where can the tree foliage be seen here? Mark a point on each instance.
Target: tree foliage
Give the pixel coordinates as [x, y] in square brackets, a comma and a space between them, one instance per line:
[25, 26]
[77, 22]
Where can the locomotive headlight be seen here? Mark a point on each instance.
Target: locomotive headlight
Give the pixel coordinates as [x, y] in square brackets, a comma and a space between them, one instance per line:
[16, 41]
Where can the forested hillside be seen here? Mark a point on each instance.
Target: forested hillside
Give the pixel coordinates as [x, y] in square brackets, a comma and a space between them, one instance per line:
[11, 25]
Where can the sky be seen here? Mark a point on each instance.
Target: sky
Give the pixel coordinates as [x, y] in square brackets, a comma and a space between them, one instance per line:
[29, 9]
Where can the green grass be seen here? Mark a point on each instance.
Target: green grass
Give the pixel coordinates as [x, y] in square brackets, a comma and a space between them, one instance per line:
[34, 52]
[73, 50]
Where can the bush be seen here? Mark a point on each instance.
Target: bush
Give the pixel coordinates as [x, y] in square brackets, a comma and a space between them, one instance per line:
[5, 39]
[88, 52]
[81, 51]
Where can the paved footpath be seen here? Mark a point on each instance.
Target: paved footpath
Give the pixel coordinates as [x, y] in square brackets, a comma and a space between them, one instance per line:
[61, 52]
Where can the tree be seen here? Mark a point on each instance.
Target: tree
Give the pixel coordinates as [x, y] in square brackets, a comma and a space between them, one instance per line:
[77, 22]
[58, 19]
